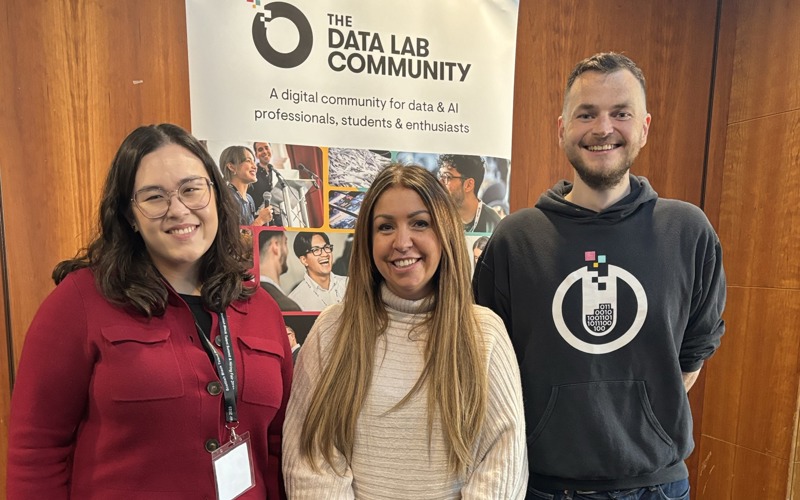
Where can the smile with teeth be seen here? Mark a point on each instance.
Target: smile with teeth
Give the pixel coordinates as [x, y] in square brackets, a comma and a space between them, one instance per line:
[404, 262]
[602, 147]
[182, 230]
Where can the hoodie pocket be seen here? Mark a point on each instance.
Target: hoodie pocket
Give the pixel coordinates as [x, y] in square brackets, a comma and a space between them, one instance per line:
[600, 430]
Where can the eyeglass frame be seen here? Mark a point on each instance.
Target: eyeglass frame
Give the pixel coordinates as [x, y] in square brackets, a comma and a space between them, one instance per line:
[176, 192]
[317, 251]
[446, 177]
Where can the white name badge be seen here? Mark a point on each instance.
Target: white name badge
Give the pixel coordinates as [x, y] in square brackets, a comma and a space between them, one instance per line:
[233, 467]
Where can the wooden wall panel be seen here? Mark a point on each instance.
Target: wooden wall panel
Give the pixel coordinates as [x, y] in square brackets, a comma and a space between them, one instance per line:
[795, 483]
[713, 403]
[716, 401]
[757, 476]
[768, 395]
[725, 372]
[768, 398]
[796, 441]
[673, 42]
[759, 219]
[714, 479]
[720, 110]
[752, 382]
[755, 192]
[767, 59]
[733, 472]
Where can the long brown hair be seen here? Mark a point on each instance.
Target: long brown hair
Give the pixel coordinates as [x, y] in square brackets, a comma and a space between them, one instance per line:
[123, 270]
[454, 373]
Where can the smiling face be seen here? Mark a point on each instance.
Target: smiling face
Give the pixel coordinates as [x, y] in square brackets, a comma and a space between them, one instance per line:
[263, 153]
[177, 241]
[318, 266]
[603, 126]
[245, 171]
[405, 247]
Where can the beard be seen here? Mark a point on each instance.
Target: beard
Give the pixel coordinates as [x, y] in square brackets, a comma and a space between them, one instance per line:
[601, 179]
[458, 198]
[284, 264]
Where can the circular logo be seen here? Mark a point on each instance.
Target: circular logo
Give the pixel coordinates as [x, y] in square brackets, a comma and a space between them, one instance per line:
[276, 10]
[599, 308]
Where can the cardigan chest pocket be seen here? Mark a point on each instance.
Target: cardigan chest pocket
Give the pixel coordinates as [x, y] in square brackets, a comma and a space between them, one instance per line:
[139, 364]
[262, 380]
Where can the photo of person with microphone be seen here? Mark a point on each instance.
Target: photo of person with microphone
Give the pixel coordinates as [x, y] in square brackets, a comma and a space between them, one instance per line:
[289, 177]
[267, 188]
[239, 168]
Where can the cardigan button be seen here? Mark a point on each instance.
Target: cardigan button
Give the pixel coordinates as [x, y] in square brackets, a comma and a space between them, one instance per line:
[212, 445]
[214, 388]
[218, 341]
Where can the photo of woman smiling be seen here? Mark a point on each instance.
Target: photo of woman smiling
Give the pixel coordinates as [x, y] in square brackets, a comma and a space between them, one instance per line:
[406, 390]
[239, 168]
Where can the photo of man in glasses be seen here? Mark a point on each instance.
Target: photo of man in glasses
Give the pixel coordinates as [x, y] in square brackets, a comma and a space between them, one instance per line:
[319, 287]
[462, 177]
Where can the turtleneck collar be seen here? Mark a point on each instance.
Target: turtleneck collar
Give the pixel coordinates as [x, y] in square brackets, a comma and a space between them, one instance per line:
[393, 302]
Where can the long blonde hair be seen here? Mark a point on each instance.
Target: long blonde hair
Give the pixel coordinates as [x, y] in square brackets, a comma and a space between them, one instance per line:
[454, 371]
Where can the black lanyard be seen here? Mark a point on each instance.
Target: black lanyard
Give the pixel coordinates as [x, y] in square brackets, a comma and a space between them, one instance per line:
[226, 368]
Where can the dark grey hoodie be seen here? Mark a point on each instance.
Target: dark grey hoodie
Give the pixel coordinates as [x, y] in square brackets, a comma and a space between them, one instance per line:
[605, 310]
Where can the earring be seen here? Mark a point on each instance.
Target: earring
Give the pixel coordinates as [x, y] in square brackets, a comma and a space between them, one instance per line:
[135, 229]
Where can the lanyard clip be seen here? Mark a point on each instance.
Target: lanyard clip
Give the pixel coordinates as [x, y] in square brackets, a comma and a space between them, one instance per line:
[231, 426]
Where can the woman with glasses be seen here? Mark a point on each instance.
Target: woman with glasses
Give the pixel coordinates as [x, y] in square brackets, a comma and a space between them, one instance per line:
[320, 287]
[406, 390]
[153, 364]
[239, 168]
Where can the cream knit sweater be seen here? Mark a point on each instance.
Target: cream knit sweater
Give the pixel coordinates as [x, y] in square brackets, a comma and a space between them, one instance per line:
[392, 457]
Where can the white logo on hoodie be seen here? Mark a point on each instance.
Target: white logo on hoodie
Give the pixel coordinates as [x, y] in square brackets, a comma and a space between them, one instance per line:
[600, 309]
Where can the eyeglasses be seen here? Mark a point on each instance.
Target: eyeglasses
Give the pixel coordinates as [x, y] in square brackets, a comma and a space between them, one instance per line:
[318, 250]
[446, 177]
[154, 202]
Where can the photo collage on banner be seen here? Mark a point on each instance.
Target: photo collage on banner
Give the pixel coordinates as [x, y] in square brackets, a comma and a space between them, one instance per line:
[324, 95]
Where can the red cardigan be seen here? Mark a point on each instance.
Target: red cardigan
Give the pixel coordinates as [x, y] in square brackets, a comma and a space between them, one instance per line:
[109, 404]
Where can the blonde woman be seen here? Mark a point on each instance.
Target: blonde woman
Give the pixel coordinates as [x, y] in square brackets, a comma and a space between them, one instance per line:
[406, 389]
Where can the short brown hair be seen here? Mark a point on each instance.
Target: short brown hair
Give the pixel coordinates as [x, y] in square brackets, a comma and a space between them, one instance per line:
[605, 62]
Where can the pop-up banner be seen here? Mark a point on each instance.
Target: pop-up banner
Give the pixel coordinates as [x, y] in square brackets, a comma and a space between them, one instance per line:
[323, 94]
